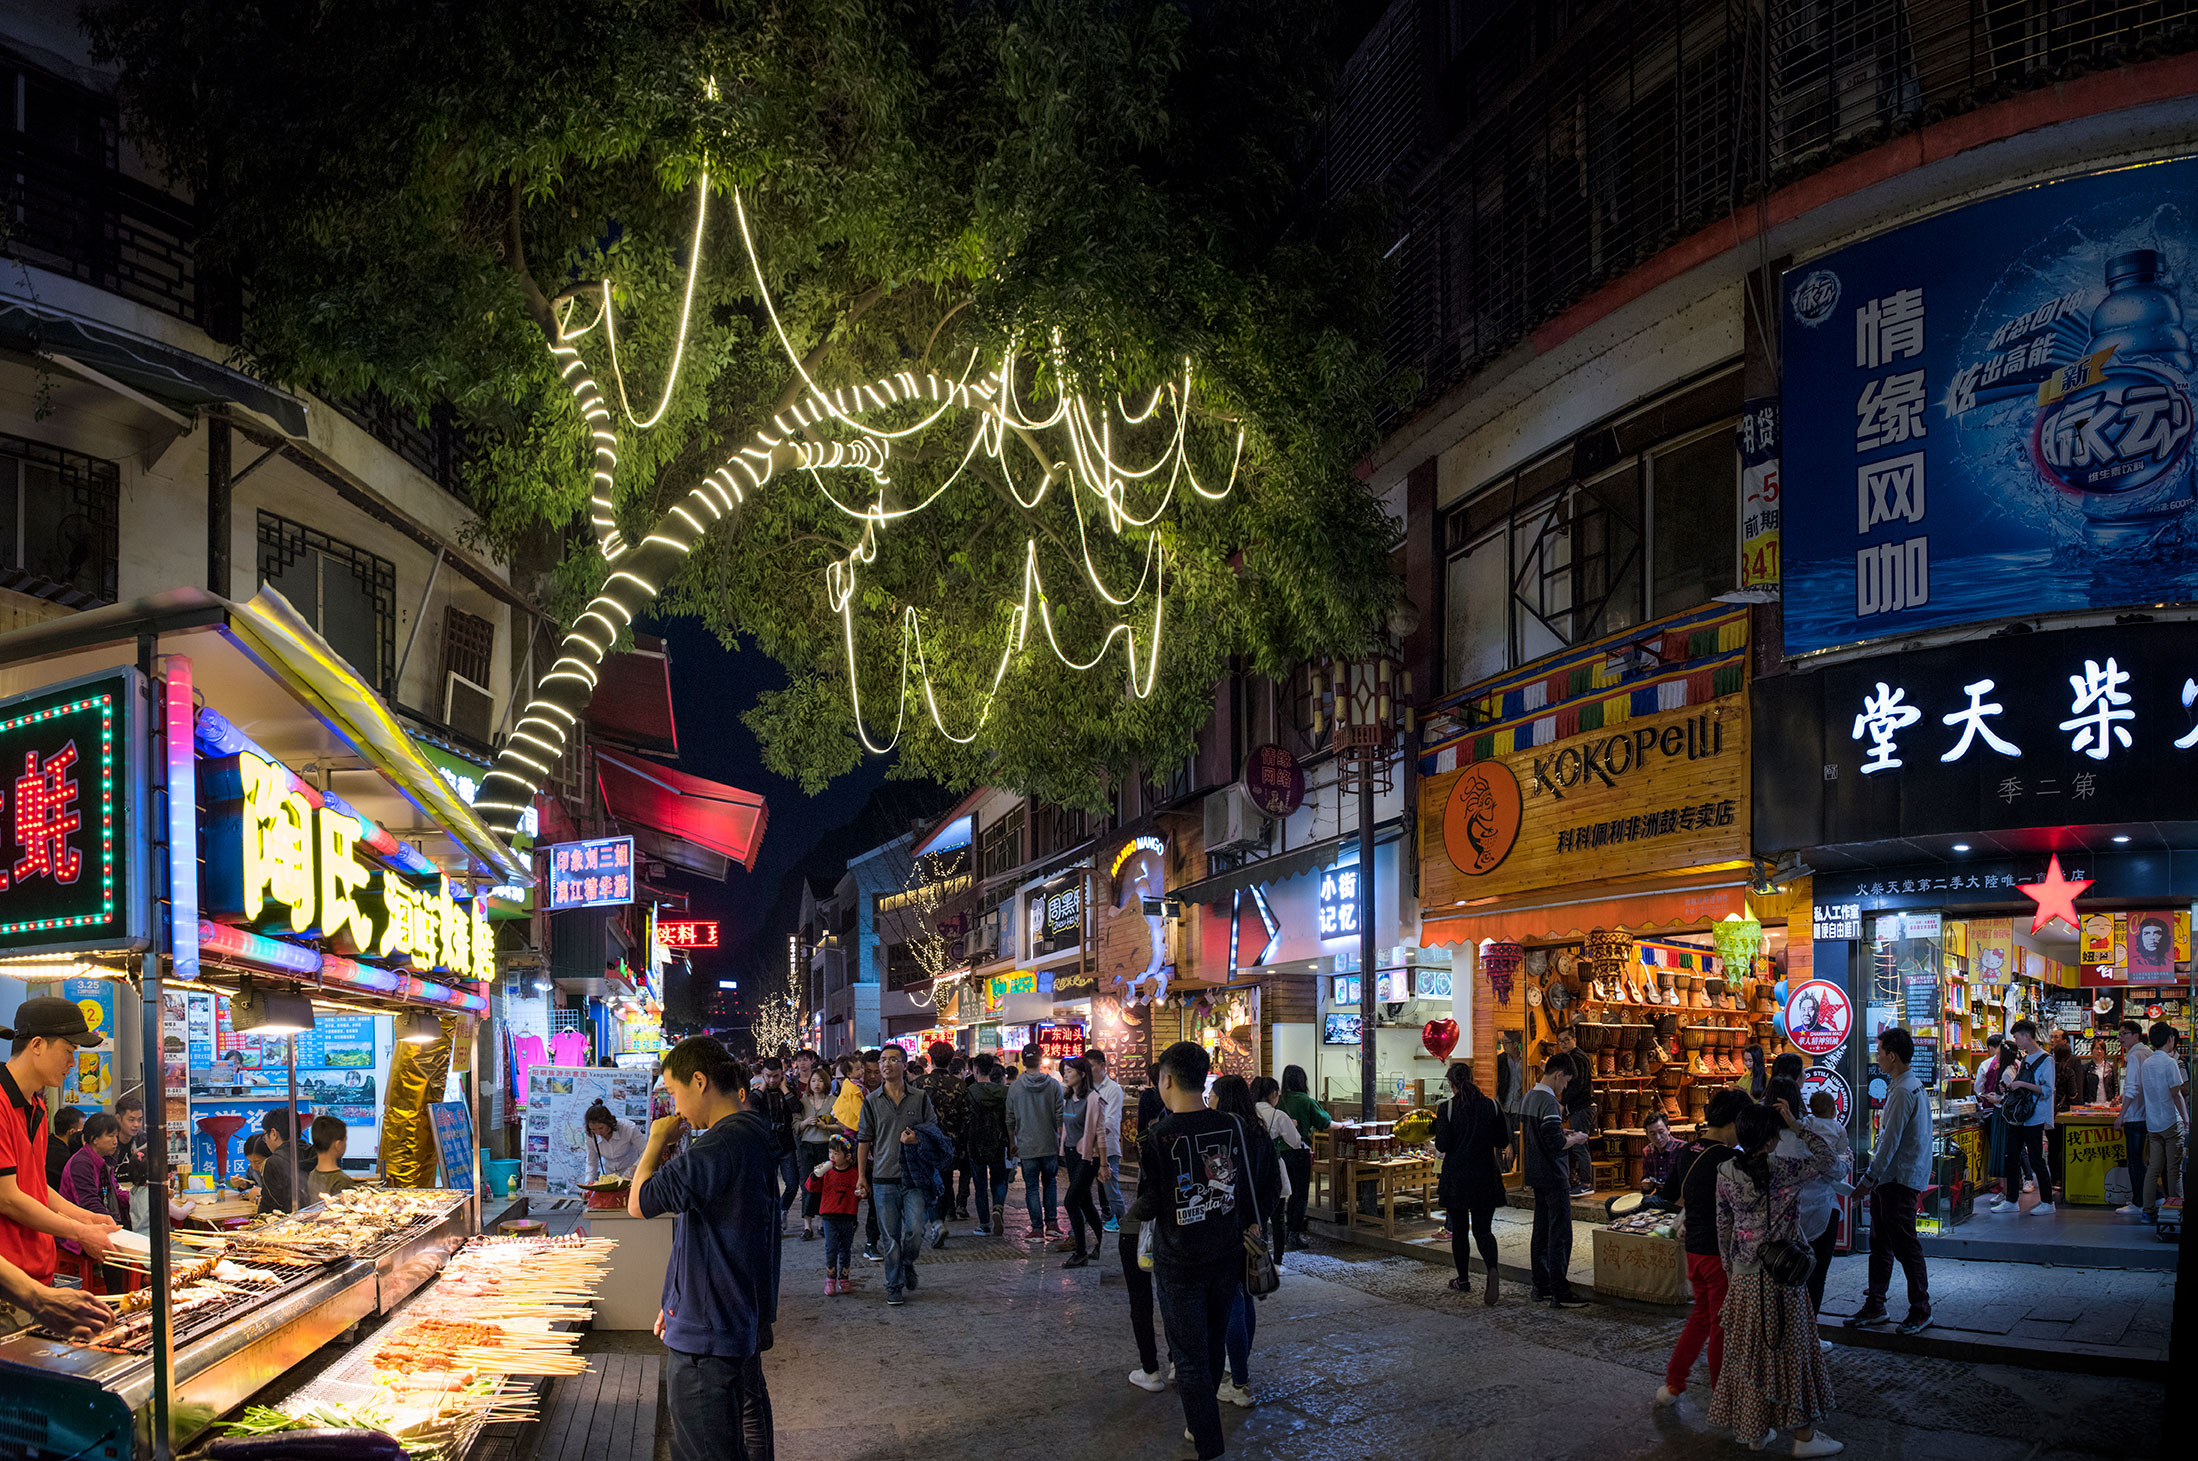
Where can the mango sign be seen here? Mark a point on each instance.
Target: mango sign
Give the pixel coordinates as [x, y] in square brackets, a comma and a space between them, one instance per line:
[277, 864]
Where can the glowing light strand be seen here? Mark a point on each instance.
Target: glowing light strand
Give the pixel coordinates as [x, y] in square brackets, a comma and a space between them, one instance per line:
[1086, 462]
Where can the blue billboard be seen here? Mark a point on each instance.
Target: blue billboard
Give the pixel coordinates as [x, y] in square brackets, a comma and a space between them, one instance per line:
[1988, 414]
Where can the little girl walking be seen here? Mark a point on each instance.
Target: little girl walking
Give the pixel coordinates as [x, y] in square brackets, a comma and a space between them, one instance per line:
[833, 1181]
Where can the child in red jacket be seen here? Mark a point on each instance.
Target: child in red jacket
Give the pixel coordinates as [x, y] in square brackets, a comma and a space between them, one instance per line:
[834, 1183]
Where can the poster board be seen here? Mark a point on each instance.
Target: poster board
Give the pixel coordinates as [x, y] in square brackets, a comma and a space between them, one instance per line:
[454, 1140]
[553, 1143]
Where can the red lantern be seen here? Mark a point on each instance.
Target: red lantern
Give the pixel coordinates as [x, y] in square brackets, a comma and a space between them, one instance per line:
[1440, 1037]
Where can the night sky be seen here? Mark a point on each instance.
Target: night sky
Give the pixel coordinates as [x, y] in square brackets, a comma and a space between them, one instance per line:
[711, 688]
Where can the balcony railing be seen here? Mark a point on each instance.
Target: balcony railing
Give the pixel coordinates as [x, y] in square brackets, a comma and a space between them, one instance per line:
[94, 224]
[1541, 149]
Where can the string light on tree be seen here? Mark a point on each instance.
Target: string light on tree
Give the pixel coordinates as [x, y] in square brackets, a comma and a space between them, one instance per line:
[1076, 445]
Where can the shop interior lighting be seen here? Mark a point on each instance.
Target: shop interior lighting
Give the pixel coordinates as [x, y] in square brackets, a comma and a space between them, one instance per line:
[254, 1010]
[2121, 837]
[1961, 847]
[542, 986]
[418, 1027]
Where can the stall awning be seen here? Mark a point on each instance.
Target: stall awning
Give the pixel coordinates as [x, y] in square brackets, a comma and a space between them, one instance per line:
[722, 818]
[1571, 918]
[273, 633]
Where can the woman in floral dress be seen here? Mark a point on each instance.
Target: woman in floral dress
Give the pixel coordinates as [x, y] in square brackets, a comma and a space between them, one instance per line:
[1774, 1373]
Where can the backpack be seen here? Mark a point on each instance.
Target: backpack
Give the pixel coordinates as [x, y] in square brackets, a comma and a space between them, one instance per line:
[2017, 1107]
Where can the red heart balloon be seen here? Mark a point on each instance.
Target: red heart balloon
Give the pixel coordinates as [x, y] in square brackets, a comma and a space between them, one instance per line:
[1440, 1037]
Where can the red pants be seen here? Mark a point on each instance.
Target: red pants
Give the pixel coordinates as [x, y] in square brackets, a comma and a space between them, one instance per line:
[1707, 1274]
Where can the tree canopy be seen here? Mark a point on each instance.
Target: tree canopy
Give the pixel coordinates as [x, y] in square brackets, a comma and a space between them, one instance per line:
[421, 199]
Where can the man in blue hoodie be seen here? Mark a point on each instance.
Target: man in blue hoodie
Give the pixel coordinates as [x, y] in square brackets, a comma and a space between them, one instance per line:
[721, 1285]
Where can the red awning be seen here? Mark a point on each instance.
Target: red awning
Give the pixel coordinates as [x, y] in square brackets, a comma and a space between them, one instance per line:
[722, 818]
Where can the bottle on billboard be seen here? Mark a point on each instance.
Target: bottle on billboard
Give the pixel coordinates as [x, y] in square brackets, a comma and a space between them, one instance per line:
[2119, 433]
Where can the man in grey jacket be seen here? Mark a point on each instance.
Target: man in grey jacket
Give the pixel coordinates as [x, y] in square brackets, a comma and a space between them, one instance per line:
[1034, 1127]
[1548, 1173]
[1900, 1168]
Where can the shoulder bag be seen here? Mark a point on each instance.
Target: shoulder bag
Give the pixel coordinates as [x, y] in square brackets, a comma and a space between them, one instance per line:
[1787, 1262]
[1261, 1277]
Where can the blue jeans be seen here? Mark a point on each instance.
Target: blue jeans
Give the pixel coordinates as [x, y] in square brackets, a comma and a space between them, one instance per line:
[1243, 1325]
[1110, 1189]
[1035, 1168]
[790, 1174]
[900, 1224]
[839, 1243]
[991, 1189]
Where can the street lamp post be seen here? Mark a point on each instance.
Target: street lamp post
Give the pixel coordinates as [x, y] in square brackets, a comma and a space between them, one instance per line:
[1368, 700]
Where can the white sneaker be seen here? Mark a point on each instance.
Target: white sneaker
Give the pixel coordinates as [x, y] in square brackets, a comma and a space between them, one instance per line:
[1234, 1393]
[2000, 1205]
[1824, 1344]
[2043, 1207]
[2128, 1209]
[1144, 1380]
[1763, 1440]
[1818, 1445]
[1664, 1398]
[1171, 1372]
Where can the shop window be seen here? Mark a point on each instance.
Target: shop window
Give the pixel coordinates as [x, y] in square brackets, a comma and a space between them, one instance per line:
[60, 518]
[1627, 522]
[347, 594]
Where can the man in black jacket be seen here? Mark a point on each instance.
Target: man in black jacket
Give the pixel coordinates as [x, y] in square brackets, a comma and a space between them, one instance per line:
[1579, 1104]
[1542, 1132]
[1191, 1170]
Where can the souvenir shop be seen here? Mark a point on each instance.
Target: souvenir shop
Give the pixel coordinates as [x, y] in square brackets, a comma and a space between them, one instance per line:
[1584, 846]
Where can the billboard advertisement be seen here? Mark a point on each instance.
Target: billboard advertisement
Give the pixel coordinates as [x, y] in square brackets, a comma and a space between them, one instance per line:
[1987, 414]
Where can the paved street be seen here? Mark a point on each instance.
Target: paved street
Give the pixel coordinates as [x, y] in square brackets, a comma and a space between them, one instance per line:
[1360, 1355]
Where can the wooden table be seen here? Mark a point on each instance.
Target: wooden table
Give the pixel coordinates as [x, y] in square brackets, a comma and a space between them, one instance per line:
[1412, 1178]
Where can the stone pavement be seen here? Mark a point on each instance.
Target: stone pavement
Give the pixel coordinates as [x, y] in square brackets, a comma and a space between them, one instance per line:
[1003, 1353]
[2106, 1320]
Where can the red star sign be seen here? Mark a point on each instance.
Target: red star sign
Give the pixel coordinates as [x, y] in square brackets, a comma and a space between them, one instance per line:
[2055, 897]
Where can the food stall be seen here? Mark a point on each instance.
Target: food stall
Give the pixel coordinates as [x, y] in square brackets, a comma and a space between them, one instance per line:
[243, 819]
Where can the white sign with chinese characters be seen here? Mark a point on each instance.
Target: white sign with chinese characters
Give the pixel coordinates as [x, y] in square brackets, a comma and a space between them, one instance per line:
[1338, 905]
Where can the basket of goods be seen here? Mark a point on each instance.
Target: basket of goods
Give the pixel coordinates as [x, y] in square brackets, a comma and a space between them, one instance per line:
[607, 1194]
[1605, 947]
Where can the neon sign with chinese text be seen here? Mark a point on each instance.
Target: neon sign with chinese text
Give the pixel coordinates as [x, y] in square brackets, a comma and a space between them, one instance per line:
[72, 782]
[279, 865]
[687, 933]
[593, 874]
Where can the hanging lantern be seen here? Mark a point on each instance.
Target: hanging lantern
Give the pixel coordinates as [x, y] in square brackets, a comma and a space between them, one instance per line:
[1500, 960]
[1738, 941]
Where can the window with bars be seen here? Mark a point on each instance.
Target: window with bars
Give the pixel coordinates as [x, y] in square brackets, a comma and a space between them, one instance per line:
[999, 852]
[1628, 523]
[1541, 148]
[347, 594]
[60, 520]
[469, 645]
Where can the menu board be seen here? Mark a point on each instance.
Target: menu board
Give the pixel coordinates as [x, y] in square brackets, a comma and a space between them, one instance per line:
[1925, 1067]
[554, 1137]
[340, 1061]
[1920, 994]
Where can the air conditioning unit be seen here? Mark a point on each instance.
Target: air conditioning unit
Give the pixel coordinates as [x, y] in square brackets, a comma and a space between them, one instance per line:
[468, 709]
[1231, 820]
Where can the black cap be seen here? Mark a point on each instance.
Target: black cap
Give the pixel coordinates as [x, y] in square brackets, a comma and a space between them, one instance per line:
[61, 1019]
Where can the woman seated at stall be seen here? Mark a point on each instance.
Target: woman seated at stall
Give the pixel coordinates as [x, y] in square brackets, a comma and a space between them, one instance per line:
[614, 1146]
